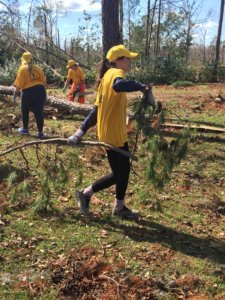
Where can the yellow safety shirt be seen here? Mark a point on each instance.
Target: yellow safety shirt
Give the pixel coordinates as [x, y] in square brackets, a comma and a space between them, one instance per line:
[111, 110]
[26, 79]
[76, 75]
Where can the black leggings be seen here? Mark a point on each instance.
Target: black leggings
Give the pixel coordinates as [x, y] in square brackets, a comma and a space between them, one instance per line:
[120, 166]
[33, 99]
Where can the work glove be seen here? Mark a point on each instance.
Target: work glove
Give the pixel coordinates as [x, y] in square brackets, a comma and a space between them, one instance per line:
[77, 89]
[64, 89]
[75, 138]
[15, 95]
[147, 97]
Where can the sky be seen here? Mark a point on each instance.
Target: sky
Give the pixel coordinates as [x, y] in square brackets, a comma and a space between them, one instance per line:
[69, 23]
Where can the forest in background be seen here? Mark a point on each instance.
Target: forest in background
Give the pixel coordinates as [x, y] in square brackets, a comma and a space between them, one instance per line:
[163, 36]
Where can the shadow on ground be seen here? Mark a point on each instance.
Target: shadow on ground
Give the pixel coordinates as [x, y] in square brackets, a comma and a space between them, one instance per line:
[144, 230]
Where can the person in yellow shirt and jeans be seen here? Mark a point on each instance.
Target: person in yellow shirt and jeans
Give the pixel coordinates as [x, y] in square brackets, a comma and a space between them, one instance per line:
[76, 74]
[30, 82]
[109, 113]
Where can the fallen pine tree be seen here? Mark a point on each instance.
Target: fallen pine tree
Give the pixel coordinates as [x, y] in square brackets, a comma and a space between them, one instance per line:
[65, 106]
[84, 109]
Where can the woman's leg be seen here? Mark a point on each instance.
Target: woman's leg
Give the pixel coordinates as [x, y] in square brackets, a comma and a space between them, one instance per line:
[120, 166]
[25, 108]
[38, 106]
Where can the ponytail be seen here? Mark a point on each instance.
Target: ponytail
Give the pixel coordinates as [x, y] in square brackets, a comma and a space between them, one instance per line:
[31, 70]
[103, 67]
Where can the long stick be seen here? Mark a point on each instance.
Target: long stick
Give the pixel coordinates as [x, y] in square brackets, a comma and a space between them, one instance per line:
[60, 141]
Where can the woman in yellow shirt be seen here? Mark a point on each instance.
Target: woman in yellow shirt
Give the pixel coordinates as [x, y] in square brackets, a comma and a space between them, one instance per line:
[30, 82]
[109, 113]
[76, 74]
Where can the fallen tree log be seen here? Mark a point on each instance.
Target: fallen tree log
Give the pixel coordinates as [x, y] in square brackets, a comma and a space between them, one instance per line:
[60, 104]
[84, 109]
[194, 127]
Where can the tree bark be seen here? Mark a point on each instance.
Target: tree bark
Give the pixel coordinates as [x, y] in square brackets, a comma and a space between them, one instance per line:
[46, 39]
[59, 141]
[60, 104]
[84, 109]
[28, 22]
[147, 31]
[217, 57]
[121, 20]
[110, 24]
[150, 31]
[158, 31]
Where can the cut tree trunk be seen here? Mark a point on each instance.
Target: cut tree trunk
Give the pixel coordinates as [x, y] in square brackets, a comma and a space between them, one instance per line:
[83, 109]
[60, 104]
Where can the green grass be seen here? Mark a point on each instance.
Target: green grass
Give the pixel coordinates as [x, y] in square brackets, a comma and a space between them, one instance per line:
[174, 238]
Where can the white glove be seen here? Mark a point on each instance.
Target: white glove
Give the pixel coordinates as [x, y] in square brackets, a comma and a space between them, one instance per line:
[15, 95]
[75, 138]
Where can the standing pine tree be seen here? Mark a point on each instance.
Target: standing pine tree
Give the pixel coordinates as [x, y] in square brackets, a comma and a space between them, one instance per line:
[110, 24]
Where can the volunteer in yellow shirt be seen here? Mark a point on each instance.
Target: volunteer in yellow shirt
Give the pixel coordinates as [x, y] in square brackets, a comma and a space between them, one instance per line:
[76, 75]
[109, 113]
[30, 82]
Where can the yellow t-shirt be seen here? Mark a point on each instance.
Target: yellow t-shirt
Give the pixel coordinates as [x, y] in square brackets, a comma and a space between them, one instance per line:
[76, 75]
[111, 110]
[26, 79]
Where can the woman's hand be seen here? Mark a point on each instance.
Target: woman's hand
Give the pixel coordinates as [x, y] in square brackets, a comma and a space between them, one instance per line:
[148, 97]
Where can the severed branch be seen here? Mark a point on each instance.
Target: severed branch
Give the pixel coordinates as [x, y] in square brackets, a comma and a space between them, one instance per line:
[24, 157]
[60, 141]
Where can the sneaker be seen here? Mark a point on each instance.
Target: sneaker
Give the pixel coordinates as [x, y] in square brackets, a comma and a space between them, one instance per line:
[83, 202]
[125, 212]
[41, 135]
[23, 131]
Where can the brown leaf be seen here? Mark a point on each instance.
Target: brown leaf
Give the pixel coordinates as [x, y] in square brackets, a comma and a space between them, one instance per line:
[95, 200]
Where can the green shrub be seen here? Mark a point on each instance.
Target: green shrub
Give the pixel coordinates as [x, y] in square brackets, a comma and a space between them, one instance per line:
[182, 83]
[51, 77]
[90, 77]
[8, 72]
[164, 71]
[221, 73]
[205, 73]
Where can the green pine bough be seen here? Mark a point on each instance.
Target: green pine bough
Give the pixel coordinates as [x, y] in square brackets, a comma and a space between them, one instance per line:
[163, 155]
[50, 178]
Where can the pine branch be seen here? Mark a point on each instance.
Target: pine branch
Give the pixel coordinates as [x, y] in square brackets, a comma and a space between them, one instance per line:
[60, 141]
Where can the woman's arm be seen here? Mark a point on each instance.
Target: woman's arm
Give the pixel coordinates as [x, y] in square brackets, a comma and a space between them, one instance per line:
[90, 121]
[123, 85]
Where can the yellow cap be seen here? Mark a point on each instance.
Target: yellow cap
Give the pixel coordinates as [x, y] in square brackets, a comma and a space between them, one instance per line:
[119, 51]
[26, 57]
[71, 63]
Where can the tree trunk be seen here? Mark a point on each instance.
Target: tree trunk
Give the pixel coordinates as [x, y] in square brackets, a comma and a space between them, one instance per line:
[217, 57]
[28, 22]
[150, 31]
[157, 48]
[61, 104]
[110, 24]
[147, 32]
[46, 39]
[121, 20]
